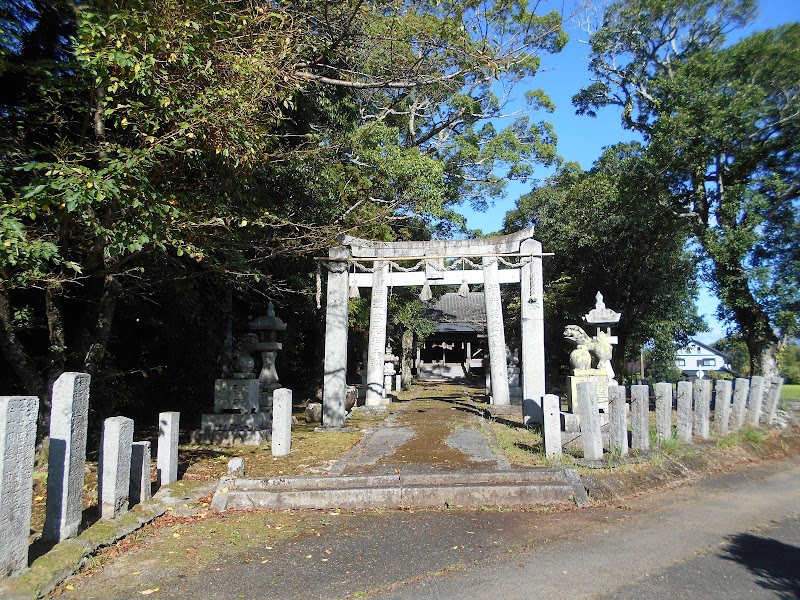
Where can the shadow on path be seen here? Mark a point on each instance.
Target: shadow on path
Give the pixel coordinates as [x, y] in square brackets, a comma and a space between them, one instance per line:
[777, 565]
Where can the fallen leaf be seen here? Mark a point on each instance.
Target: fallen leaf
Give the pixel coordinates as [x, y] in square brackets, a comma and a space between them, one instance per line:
[150, 591]
[69, 587]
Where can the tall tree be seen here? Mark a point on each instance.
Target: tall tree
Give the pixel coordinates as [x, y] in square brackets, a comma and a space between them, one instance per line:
[721, 128]
[606, 238]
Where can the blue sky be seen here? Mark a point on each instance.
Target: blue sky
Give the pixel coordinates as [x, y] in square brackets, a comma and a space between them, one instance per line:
[582, 138]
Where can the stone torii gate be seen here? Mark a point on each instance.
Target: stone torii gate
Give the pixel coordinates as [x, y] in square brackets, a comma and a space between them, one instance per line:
[430, 269]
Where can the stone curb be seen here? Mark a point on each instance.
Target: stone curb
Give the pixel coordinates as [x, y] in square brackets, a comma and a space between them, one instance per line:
[519, 487]
[66, 558]
[669, 471]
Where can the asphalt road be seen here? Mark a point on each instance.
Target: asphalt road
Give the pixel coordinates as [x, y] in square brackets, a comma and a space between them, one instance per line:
[733, 535]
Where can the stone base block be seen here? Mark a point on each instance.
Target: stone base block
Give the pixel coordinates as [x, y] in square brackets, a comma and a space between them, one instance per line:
[231, 422]
[599, 377]
[241, 437]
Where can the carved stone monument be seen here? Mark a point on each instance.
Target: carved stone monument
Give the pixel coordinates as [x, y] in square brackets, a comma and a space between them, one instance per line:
[243, 401]
[591, 359]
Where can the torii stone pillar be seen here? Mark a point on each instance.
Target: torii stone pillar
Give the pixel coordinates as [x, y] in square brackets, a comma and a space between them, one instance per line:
[495, 331]
[377, 335]
[529, 276]
[532, 301]
[336, 322]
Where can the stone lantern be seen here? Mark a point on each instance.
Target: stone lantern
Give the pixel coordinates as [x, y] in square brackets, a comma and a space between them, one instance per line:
[267, 329]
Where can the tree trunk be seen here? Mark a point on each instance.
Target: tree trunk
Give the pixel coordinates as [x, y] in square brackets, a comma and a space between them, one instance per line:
[101, 330]
[23, 365]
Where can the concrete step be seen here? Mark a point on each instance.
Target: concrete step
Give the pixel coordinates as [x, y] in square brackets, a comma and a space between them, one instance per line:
[524, 487]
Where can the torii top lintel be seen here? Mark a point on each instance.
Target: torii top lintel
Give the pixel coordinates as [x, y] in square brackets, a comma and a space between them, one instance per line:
[501, 244]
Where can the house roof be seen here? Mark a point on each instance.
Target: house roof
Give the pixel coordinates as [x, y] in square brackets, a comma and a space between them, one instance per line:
[706, 348]
[457, 314]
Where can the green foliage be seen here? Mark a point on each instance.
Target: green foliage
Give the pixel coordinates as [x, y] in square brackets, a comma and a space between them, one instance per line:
[789, 363]
[596, 223]
[735, 349]
[721, 126]
[225, 143]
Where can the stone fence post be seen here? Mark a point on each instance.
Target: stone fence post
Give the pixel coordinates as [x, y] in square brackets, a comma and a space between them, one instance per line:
[282, 422]
[67, 459]
[640, 417]
[167, 451]
[684, 401]
[663, 412]
[590, 421]
[18, 416]
[114, 468]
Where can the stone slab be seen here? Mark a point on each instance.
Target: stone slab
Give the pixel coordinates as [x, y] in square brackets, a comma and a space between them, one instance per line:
[640, 417]
[684, 402]
[140, 484]
[282, 422]
[230, 437]
[755, 400]
[740, 392]
[617, 420]
[590, 421]
[773, 399]
[67, 459]
[18, 416]
[663, 411]
[114, 468]
[167, 451]
[722, 405]
[702, 408]
[252, 422]
[598, 376]
[551, 428]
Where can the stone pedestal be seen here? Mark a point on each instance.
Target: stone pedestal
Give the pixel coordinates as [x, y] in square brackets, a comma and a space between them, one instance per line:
[236, 394]
[598, 377]
[231, 429]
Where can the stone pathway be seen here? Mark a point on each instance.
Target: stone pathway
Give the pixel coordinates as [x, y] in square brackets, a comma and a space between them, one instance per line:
[439, 430]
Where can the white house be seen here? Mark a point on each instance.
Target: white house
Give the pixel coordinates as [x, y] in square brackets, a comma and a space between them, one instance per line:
[697, 357]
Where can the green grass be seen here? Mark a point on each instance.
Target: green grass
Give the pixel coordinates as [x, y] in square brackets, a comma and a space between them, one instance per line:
[790, 391]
